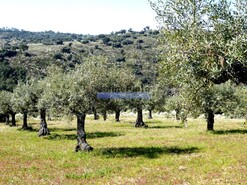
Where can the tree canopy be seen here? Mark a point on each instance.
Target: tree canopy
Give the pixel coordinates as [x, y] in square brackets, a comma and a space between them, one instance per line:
[203, 43]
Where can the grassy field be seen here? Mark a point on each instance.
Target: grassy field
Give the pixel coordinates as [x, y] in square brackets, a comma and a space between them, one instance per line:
[164, 153]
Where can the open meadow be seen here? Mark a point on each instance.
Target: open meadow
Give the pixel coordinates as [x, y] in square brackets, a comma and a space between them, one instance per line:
[163, 153]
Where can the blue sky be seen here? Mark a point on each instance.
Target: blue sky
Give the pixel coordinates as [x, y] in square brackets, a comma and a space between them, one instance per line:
[77, 16]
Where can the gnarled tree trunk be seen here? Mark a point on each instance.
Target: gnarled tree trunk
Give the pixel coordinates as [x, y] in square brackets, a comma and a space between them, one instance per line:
[24, 126]
[150, 114]
[210, 119]
[139, 120]
[82, 144]
[13, 121]
[43, 131]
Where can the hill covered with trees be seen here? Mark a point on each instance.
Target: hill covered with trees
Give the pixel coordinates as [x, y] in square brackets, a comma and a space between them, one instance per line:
[25, 54]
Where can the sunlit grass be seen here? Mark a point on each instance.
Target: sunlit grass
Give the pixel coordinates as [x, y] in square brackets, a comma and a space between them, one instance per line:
[163, 153]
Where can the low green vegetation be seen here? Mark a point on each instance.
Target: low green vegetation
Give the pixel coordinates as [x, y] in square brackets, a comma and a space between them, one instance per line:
[193, 65]
[163, 153]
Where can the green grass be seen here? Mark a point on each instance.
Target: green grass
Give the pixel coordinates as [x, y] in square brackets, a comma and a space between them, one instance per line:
[164, 153]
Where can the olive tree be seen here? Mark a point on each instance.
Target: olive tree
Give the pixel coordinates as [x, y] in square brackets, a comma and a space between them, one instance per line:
[240, 109]
[203, 43]
[143, 64]
[158, 98]
[117, 80]
[74, 92]
[174, 103]
[219, 98]
[42, 106]
[6, 106]
[24, 100]
[66, 94]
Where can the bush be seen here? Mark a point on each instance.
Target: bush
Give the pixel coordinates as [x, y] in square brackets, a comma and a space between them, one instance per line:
[106, 40]
[138, 47]
[127, 42]
[66, 50]
[69, 57]
[139, 41]
[117, 45]
[101, 36]
[8, 53]
[85, 41]
[58, 56]
[120, 59]
[23, 47]
[26, 54]
[59, 42]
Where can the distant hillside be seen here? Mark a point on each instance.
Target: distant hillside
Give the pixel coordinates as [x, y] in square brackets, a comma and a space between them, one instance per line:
[37, 37]
[25, 54]
[48, 37]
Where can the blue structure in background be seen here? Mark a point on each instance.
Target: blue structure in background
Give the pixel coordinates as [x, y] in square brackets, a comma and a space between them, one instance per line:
[123, 95]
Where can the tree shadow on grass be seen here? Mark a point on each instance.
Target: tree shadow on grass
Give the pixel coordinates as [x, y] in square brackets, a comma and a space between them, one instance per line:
[31, 129]
[93, 135]
[61, 129]
[55, 136]
[28, 129]
[148, 152]
[164, 126]
[233, 131]
[149, 126]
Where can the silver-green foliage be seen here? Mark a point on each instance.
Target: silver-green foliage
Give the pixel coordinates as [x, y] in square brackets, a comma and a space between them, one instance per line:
[201, 38]
[75, 91]
[5, 102]
[25, 97]
[202, 41]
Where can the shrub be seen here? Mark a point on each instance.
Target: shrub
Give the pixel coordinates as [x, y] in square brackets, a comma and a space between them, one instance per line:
[127, 42]
[58, 56]
[66, 50]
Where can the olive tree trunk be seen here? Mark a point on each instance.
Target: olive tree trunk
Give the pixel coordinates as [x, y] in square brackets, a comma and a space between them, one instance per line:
[7, 119]
[24, 126]
[95, 114]
[104, 115]
[139, 120]
[177, 114]
[82, 144]
[13, 121]
[210, 119]
[43, 131]
[117, 115]
[150, 116]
